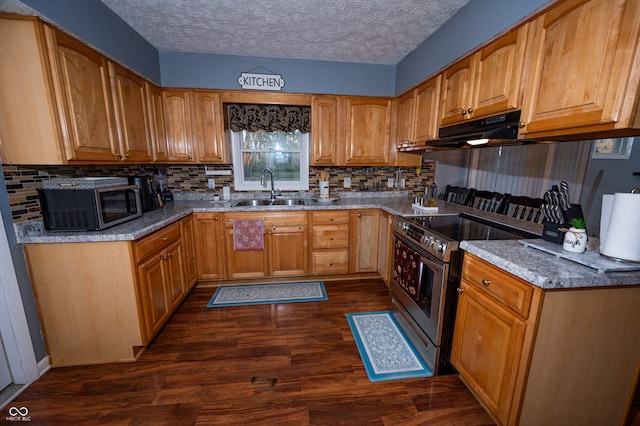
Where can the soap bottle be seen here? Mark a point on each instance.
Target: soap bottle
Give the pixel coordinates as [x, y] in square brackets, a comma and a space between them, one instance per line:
[431, 194]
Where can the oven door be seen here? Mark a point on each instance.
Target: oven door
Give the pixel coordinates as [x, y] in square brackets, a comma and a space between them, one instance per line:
[418, 284]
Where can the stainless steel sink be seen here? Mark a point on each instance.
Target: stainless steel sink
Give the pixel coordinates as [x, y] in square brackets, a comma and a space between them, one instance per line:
[263, 202]
[251, 203]
[289, 202]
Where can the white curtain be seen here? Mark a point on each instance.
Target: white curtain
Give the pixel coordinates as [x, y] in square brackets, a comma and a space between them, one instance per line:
[529, 170]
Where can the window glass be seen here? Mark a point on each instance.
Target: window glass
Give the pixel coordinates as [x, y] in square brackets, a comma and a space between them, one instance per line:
[286, 153]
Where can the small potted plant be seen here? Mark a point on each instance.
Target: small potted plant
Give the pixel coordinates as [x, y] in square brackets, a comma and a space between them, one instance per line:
[575, 238]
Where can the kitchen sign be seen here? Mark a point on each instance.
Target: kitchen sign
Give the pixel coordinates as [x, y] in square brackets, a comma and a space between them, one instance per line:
[256, 81]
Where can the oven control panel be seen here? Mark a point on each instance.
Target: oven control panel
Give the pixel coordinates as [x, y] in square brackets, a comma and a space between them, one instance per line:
[432, 244]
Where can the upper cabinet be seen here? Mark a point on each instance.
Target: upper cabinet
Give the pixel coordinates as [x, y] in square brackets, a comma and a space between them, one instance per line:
[584, 78]
[130, 102]
[324, 131]
[487, 82]
[209, 128]
[368, 123]
[157, 129]
[194, 124]
[417, 114]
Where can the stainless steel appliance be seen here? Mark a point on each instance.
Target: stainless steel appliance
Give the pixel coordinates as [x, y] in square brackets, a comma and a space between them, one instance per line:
[426, 274]
[150, 198]
[88, 204]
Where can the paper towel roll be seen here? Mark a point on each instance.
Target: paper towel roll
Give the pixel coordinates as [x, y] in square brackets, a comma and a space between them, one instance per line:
[622, 239]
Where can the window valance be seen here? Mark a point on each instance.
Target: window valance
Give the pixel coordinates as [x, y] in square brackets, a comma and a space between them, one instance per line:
[270, 118]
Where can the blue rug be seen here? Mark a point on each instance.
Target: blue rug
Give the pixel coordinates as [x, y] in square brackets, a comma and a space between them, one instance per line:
[264, 294]
[386, 352]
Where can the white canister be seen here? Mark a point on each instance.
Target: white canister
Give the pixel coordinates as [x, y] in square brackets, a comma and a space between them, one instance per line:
[226, 193]
[324, 189]
[575, 240]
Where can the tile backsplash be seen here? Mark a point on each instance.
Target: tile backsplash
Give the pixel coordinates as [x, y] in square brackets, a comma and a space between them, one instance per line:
[22, 182]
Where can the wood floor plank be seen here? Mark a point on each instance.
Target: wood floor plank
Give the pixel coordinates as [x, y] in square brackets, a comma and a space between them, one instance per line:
[287, 364]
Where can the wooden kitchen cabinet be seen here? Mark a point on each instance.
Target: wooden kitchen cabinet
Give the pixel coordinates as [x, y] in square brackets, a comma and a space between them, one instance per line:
[131, 115]
[487, 82]
[285, 246]
[209, 245]
[585, 69]
[364, 240]
[536, 357]
[368, 122]
[157, 127]
[385, 246]
[324, 135]
[159, 259]
[329, 242]
[209, 128]
[178, 110]
[187, 241]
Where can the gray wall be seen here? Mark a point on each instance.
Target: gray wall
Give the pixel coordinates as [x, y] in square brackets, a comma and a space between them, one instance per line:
[607, 177]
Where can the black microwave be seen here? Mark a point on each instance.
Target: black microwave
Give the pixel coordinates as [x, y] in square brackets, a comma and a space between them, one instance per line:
[89, 209]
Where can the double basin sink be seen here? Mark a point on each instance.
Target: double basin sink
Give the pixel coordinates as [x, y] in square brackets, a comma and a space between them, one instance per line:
[263, 202]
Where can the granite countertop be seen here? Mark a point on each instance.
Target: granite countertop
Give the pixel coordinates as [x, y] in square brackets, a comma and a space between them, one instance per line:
[545, 270]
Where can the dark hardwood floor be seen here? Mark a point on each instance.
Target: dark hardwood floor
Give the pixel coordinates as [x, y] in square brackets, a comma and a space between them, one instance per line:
[286, 364]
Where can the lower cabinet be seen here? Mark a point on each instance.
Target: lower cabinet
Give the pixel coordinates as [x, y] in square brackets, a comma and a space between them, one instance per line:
[285, 246]
[364, 240]
[535, 357]
[125, 289]
[329, 242]
[159, 259]
[385, 246]
[209, 245]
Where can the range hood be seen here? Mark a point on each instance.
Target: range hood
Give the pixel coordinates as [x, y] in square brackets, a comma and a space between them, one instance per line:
[489, 131]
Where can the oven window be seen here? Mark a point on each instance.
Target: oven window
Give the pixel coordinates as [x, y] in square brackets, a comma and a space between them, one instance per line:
[426, 289]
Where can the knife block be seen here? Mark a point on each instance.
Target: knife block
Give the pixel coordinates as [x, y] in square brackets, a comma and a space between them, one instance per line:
[551, 231]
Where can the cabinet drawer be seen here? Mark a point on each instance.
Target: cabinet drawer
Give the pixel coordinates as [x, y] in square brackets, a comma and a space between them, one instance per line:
[156, 241]
[507, 289]
[330, 262]
[330, 236]
[270, 218]
[330, 216]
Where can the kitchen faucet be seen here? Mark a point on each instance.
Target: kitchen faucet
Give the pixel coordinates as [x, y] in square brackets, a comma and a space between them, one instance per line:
[262, 181]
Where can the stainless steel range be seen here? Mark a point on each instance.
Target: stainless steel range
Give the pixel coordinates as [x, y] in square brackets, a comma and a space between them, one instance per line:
[426, 274]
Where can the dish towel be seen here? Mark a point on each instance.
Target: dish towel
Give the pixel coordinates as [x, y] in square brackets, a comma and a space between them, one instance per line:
[248, 234]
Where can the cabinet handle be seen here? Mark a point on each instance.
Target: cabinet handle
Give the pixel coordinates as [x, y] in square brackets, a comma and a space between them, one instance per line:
[331, 219]
[117, 154]
[164, 238]
[331, 238]
[215, 218]
[470, 111]
[486, 283]
[330, 263]
[126, 155]
[359, 214]
[522, 124]
[460, 290]
[464, 112]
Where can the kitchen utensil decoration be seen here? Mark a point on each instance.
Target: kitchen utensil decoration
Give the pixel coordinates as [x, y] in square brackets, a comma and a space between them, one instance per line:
[558, 212]
[324, 184]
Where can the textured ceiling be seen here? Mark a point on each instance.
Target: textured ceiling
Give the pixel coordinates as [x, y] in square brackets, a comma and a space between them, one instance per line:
[360, 31]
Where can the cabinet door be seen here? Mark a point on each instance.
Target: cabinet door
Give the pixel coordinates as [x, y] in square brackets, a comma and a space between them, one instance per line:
[457, 86]
[405, 119]
[287, 250]
[385, 245]
[244, 263]
[158, 133]
[499, 74]
[187, 242]
[487, 344]
[209, 243]
[155, 302]
[172, 268]
[583, 77]
[82, 85]
[364, 240]
[427, 108]
[130, 107]
[324, 119]
[178, 112]
[209, 128]
[368, 128]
